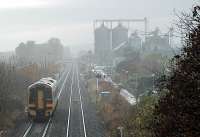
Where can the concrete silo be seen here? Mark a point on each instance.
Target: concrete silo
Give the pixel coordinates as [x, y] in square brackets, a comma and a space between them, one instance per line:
[103, 44]
[119, 35]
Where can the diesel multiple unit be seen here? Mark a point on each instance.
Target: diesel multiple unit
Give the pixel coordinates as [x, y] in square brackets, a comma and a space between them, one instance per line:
[42, 99]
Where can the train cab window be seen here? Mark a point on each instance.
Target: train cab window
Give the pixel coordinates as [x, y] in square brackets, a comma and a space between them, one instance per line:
[48, 94]
[32, 96]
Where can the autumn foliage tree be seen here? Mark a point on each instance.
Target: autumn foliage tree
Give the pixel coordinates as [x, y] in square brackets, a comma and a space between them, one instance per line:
[13, 87]
[177, 114]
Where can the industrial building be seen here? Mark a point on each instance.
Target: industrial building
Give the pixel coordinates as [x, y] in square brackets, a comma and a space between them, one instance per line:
[111, 35]
[50, 51]
[103, 45]
[135, 41]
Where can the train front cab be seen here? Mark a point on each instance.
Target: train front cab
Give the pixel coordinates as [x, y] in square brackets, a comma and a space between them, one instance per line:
[40, 103]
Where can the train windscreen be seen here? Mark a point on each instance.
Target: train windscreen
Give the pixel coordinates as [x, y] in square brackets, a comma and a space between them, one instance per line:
[48, 94]
[32, 95]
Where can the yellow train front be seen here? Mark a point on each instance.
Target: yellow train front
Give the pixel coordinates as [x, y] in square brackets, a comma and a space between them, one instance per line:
[41, 99]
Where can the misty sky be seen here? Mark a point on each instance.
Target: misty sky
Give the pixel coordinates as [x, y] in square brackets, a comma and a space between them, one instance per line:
[71, 20]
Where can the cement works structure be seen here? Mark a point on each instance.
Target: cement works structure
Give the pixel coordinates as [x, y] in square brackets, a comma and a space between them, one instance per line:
[109, 34]
[128, 21]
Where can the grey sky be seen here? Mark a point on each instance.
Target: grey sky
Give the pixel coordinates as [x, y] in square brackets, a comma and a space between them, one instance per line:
[71, 20]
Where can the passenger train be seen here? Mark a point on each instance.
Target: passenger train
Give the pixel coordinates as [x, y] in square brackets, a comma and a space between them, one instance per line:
[42, 99]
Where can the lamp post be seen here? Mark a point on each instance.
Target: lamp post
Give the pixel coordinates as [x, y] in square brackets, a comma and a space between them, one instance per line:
[97, 88]
[127, 74]
[153, 76]
[121, 130]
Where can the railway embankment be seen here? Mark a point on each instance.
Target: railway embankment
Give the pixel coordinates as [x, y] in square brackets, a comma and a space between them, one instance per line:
[111, 106]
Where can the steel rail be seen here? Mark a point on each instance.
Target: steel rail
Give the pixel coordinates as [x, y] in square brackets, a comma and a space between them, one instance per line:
[46, 128]
[63, 85]
[28, 130]
[82, 111]
[70, 104]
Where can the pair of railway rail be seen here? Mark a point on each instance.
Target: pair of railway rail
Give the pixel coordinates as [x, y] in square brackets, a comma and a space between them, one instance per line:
[43, 130]
[45, 126]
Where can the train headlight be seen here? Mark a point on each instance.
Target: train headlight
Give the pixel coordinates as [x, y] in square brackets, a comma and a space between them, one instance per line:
[31, 106]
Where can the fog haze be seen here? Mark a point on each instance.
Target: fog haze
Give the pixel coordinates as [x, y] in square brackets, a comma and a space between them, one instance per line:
[71, 21]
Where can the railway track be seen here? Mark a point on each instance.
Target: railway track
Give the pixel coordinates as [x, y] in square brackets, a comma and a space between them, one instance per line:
[37, 129]
[81, 103]
[28, 130]
[76, 126]
[74, 116]
[60, 119]
[71, 117]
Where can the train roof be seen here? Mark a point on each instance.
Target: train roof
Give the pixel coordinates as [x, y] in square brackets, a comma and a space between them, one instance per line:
[49, 79]
[50, 82]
